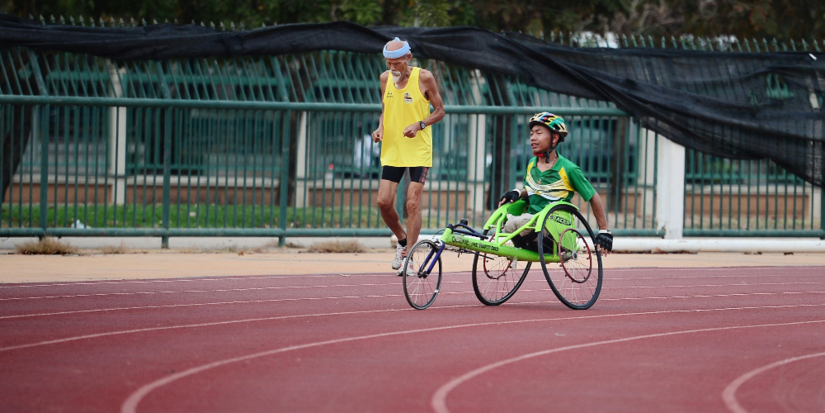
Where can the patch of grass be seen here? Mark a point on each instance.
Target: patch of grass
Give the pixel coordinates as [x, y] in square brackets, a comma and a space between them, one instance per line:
[338, 247]
[187, 216]
[114, 250]
[46, 246]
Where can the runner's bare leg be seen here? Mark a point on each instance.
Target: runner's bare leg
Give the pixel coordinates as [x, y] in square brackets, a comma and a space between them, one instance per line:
[414, 212]
[386, 205]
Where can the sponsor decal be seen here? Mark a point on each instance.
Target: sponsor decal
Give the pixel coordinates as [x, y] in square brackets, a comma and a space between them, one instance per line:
[408, 97]
[560, 220]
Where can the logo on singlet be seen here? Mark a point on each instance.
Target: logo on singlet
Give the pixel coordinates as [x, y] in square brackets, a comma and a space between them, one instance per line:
[389, 95]
[407, 98]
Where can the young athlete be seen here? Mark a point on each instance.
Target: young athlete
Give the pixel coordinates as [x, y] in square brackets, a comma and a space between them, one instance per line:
[551, 177]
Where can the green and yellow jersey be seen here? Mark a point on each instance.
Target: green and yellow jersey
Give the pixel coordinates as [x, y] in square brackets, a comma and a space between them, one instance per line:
[558, 183]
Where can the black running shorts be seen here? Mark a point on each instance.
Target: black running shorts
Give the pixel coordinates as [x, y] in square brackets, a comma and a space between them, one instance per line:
[395, 173]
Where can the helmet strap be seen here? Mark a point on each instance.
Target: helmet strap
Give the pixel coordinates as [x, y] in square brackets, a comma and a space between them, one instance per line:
[546, 154]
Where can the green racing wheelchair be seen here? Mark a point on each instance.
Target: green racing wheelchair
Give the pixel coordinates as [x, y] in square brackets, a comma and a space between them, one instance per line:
[559, 238]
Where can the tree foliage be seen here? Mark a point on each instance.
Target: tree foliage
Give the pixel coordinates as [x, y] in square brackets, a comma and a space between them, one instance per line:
[781, 19]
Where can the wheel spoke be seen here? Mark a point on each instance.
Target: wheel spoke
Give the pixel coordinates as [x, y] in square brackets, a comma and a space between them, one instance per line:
[421, 288]
[578, 284]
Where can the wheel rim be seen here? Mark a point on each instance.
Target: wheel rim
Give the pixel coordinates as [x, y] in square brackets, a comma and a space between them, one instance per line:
[576, 279]
[421, 289]
[578, 264]
[501, 277]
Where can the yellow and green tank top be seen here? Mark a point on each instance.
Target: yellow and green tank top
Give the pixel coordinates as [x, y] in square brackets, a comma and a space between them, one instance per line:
[558, 183]
[402, 108]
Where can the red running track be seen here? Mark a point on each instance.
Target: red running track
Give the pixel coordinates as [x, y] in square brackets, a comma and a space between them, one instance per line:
[693, 340]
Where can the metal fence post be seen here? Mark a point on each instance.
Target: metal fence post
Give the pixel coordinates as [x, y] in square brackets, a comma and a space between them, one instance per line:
[167, 156]
[284, 180]
[44, 170]
[167, 175]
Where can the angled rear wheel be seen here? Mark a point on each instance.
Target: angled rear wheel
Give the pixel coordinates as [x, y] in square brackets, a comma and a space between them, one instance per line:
[576, 279]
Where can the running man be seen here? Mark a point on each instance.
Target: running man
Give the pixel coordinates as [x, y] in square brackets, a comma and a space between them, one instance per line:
[405, 127]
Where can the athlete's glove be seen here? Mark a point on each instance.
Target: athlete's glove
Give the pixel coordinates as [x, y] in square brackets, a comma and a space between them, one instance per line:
[604, 240]
[510, 196]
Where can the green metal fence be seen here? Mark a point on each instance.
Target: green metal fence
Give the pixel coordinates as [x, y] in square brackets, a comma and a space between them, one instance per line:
[279, 147]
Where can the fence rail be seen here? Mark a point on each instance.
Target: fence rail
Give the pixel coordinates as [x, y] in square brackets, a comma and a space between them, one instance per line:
[279, 147]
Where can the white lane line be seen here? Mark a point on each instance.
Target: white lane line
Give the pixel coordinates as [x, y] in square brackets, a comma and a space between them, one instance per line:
[308, 287]
[439, 399]
[276, 300]
[191, 279]
[249, 320]
[222, 290]
[630, 270]
[729, 394]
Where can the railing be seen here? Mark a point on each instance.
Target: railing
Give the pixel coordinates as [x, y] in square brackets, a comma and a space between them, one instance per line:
[279, 147]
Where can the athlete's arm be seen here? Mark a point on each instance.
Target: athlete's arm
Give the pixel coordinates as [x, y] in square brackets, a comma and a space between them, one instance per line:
[428, 87]
[597, 207]
[378, 134]
[430, 91]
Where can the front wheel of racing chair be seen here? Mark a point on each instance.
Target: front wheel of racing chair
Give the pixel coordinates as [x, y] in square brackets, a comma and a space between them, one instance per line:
[421, 285]
[497, 278]
[578, 281]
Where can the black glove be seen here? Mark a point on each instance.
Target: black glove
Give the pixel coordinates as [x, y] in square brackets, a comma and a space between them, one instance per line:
[510, 196]
[604, 240]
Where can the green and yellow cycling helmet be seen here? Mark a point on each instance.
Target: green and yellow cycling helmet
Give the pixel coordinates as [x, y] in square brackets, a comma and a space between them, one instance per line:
[555, 123]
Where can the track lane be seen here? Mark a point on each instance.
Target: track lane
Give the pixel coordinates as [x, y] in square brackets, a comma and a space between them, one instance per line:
[117, 364]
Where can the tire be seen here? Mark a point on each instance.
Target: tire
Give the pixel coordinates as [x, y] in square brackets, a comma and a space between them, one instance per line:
[422, 288]
[578, 281]
[495, 279]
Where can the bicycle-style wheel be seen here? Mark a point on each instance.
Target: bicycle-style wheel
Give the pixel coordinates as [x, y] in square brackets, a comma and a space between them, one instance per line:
[497, 278]
[421, 285]
[577, 281]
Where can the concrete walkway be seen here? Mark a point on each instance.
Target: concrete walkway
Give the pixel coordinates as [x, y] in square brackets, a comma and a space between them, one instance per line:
[152, 264]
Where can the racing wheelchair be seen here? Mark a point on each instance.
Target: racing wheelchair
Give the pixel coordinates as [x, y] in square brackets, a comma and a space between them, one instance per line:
[558, 238]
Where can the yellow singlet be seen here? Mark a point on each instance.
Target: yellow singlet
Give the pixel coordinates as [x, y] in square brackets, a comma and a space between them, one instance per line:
[402, 108]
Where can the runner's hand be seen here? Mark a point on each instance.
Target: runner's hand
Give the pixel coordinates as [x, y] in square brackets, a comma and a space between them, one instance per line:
[412, 130]
[378, 135]
[604, 241]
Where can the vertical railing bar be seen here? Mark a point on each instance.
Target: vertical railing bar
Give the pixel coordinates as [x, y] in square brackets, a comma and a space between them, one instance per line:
[285, 156]
[317, 75]
[177, 159]
[7, 118]
[32, 152]
[283, 94]
[138, 129]
[13, 76]
[44, 168]
[246, 129]
[230, 140]
[272, 133]
[210, 150]
[625, 174]
[67, 138]
[308, 96]
[266, 92]
[776, 196]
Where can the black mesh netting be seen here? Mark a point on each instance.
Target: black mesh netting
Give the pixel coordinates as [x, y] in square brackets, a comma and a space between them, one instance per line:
[734, 105]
